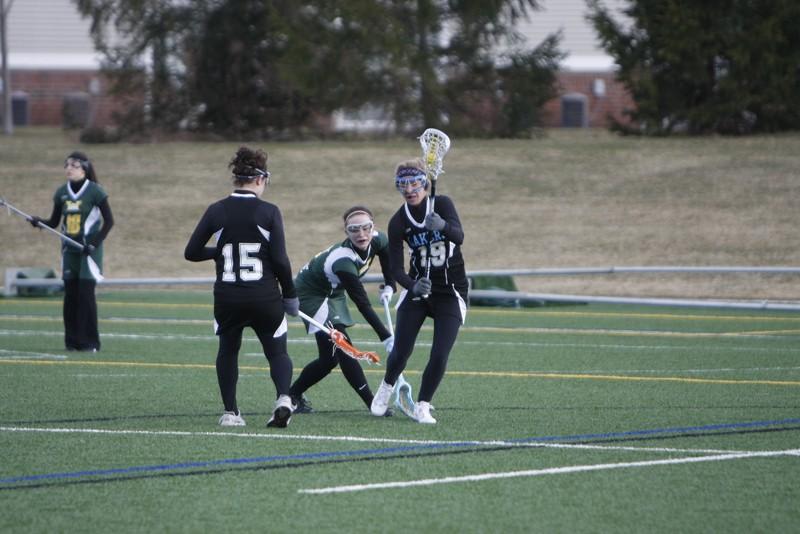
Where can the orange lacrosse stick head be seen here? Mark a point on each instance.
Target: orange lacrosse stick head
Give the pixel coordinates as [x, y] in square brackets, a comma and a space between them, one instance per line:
[342, 344]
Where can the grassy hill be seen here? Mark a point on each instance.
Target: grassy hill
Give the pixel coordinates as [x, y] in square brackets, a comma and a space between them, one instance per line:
[572, 198]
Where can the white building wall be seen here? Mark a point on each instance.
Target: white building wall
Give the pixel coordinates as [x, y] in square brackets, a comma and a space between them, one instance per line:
[49, 34]
[578, 36]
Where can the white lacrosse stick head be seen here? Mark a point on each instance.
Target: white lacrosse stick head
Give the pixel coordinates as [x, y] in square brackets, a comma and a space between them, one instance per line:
[435, 145]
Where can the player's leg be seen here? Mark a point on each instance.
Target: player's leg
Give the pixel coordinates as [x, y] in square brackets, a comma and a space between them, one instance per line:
[87, 320]
[445, 331]
[448, 318]
[410, 316]
[230, 342]
[317, 369]
[70, 311]
[353, 373]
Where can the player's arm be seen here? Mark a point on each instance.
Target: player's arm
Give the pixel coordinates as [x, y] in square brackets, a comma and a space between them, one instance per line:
[355, 290]
[108, 222]
[386, 267]
[278, 257]
[452, 228]
[196, 249]
[395, 232]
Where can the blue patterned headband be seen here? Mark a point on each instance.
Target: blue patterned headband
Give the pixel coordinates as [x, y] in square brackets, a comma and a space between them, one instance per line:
[410, 172]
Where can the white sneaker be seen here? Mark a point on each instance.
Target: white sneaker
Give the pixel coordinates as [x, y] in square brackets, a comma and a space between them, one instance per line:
[231, 419]
[404, 401]
[380, 402]
[282, 413]
[422, 413]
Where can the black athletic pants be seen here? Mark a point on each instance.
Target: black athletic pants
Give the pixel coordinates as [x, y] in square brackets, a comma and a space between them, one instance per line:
[327, 361]
[447, 319]
[80, 315]
[266, 319]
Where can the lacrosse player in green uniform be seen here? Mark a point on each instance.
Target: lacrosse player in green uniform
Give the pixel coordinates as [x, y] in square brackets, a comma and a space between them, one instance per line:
[321, 286]
[82, 207]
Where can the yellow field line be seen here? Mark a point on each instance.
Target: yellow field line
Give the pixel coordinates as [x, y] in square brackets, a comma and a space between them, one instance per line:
[473, 311]
[497, 374]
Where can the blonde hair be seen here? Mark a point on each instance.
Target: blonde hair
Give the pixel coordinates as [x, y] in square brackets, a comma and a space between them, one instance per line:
[415, 163]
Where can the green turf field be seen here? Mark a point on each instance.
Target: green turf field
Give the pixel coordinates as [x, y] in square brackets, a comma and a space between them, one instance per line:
[555, 419]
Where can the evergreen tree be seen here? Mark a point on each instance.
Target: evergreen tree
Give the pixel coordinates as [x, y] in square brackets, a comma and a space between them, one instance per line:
[729, 67]
[272, 67]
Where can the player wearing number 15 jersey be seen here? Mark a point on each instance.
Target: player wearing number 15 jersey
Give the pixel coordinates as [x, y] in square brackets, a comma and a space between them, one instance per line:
[436, 283]
[254, 284]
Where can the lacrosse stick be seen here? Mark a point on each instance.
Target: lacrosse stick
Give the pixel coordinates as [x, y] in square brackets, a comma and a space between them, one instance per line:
[435, 145]
[388, 315]
[40, 224]
[341, 342]
[403, 399]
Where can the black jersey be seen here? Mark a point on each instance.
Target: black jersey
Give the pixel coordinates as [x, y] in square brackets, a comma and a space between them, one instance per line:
[447, 265]
[250, 251]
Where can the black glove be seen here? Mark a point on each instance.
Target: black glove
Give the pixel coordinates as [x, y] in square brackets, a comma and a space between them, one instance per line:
[422, 287]
[88, 249]
[433, 221]
[34, 220]
[291, 306]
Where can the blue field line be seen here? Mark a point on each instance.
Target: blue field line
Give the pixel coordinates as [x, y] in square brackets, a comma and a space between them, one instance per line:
[654, 431]
[388, 450]
[231, 461]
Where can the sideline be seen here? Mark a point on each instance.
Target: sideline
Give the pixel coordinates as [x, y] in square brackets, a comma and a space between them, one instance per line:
[484, 374]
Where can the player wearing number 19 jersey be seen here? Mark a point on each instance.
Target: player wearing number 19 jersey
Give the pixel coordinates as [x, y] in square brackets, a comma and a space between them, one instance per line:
[254, 281]
[436, 283]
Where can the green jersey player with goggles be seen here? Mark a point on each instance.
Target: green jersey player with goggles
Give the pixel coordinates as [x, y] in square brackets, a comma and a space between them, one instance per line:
[323, 285]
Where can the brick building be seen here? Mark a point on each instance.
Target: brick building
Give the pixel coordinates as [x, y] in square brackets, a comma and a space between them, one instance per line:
[55, 77]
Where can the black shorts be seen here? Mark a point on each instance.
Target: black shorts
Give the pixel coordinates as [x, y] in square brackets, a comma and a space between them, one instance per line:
[261, 315]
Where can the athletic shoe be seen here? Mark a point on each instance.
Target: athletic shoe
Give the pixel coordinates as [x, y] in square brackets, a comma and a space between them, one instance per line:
[231, 419]
[404, 401]
[380, 402]
[283, 412]
[301, 405]
[422, 413]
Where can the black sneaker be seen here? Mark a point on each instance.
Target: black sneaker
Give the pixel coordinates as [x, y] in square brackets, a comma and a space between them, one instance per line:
[302, 405]
[282, 414]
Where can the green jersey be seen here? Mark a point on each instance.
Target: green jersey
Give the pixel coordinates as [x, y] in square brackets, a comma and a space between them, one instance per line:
[80, 220]
[80, 211]
[319, 287]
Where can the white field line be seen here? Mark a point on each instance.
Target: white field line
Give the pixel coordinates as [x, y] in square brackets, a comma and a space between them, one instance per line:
[309, 340]
[481, 329]
[547, 471]
[359, 439]
[22, 355]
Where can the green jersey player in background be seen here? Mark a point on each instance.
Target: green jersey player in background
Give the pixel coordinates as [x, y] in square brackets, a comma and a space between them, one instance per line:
[322, 285]
[82, 207]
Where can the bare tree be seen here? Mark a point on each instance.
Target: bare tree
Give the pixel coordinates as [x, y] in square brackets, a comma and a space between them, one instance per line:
[8, 122]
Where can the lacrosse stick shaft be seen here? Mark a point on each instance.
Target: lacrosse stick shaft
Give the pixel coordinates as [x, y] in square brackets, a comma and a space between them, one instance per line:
[388, 316]
[40, 224]
[314, 322]
[340, 341]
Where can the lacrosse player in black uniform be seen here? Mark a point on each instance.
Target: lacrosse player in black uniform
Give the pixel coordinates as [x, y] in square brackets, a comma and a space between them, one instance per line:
[435, 288]
[81, 206]
[254, 284]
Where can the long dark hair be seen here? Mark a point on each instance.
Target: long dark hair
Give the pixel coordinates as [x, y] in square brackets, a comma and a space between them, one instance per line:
[86, 163]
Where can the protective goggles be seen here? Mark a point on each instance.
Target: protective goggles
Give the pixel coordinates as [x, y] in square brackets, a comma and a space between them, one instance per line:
[356, 228]
[74, 163]
[416, 182]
